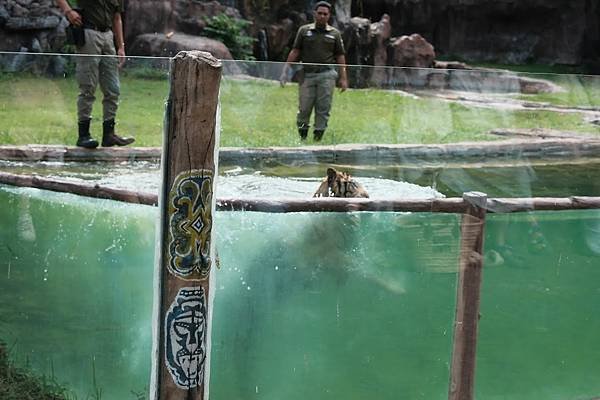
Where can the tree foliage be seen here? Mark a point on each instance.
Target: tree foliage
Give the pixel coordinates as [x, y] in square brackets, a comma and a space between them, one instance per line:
[232, 33]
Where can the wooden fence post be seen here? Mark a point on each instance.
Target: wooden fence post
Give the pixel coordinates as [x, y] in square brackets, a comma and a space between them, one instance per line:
[184, 281]
[462, 374]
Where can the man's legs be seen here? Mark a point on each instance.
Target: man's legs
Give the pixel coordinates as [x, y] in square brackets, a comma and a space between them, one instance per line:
[109, 78]
[86, 74]
[324, 94]
[110, 86]
[306, 100]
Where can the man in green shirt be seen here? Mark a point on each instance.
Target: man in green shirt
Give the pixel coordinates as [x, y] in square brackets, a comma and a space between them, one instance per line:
[103, 32]
[318, 45]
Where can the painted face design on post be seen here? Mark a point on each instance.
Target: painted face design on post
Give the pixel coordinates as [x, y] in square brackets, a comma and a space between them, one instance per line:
[190, 223]
[185, 347]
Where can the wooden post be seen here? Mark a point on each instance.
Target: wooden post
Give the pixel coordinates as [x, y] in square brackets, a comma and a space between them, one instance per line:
[462, 374]
[185, 256]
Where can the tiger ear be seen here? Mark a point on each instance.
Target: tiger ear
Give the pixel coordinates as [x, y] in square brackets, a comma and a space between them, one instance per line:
[331, 173]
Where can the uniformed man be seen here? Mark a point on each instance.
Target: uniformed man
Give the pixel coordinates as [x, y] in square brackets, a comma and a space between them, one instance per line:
[103, 32]
[317, 45]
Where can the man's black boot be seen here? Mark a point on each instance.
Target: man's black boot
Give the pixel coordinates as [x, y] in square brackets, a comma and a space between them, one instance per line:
[85, 139]
[109, 138]
[319, 134]
[303, 132]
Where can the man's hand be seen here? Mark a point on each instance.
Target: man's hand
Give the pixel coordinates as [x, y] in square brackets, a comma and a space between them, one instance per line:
[121, 54]
[283, 79]
[74, 17]
[343, 84]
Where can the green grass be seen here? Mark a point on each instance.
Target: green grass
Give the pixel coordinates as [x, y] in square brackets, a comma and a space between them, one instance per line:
[260, 113]
[18, 384]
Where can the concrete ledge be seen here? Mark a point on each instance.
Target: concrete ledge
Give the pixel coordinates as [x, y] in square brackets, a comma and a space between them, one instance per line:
[531, 150]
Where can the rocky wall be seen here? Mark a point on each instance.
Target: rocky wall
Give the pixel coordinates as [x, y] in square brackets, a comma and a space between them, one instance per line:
[504, 31]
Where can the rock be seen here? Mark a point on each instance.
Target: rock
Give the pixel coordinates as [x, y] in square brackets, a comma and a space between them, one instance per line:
[533, 86]
[380, 33]
[502, 31]
[483, 81]
[412, 51]
[4, 16]
[343, 11]
[450, 65]
[357, 42]
[279, 35]
[190, 15]
[158, 45]
[18, 11]
[25, 24]
[148, 16]
[163, 16]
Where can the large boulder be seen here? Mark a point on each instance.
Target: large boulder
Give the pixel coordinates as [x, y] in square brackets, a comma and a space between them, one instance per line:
[163, 16]
[412, 51]
[148, 16]
[161, 45]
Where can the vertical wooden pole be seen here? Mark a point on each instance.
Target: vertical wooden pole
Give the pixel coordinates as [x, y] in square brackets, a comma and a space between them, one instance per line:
[185, 258]
[462, 374]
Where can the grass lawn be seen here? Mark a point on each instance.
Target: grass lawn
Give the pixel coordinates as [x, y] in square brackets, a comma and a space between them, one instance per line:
[260, 113]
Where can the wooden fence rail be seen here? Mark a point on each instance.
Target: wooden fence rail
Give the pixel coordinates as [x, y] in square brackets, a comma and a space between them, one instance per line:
[444, 205]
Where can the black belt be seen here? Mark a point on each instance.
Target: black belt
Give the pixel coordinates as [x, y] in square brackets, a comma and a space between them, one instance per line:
[93, 27]
[316, 70]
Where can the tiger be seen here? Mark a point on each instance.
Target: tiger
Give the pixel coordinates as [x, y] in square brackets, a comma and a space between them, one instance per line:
[340, 184]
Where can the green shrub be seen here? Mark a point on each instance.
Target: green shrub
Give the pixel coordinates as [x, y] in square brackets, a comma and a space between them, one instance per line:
[232, 32]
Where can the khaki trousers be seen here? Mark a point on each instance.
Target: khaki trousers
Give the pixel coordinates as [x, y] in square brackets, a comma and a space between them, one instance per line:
[316, 92]
[91, 71]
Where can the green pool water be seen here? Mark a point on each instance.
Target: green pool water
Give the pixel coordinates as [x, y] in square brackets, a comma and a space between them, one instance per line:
[321, 306]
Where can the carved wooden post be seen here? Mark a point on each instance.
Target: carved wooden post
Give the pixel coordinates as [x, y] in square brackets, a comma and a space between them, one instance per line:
[462, 374]
[185, 258]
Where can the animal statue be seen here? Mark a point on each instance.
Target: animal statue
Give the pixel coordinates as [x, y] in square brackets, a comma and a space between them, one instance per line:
[340, 184]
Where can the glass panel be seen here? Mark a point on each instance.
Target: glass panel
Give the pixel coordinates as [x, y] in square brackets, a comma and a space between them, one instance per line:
[334, 306]
[76, 298]
[312, 303]
[371, 299]
[539, 321]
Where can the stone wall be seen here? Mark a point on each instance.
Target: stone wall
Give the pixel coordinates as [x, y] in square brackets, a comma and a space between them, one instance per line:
[503, 31]
[31, 26]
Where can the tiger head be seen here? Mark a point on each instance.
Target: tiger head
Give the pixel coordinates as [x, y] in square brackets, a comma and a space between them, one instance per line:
[340, 184]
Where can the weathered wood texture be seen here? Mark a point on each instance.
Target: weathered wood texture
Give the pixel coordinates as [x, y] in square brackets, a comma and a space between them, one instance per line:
[182, 352]
[447, 205]
[82, 189]
[462, 373]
